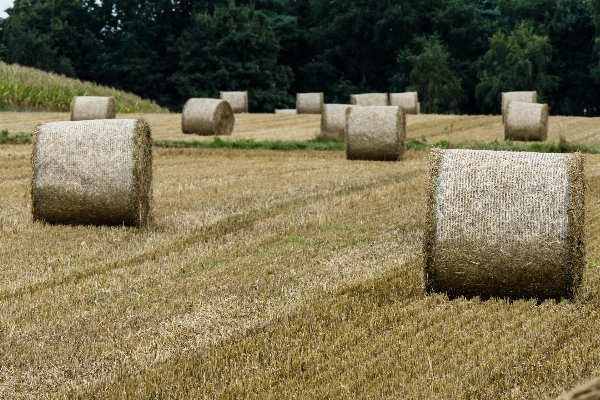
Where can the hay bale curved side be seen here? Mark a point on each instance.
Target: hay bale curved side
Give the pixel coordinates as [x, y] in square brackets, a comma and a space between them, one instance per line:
[524, 97]
[409, 101]
[286, 111]
[237, 100]
[526, 121]
[84, 108]
[95, 172]
[207, 117]
[309, 103]
[370, 99]
[375, 133]
[504, 224]
[333, 121]
[586, 391]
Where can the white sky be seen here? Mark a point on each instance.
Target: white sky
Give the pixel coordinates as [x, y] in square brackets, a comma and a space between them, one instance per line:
[4, 4]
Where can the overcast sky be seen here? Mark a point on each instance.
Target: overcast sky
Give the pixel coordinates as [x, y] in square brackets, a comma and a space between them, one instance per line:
[4, 4]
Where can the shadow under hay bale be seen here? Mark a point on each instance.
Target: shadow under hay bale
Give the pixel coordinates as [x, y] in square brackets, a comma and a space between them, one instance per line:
[207, 117]
[523, 97]
[333, 121]
[237, 100]
[409, 101]
[504, 224]
[309, 103]
[286, 112]
[92, 107]
[526, 121]
[369, 99]
[375, 133]
[587, 391]
[92, 172]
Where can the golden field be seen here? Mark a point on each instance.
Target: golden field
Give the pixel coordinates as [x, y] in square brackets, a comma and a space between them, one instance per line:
[270, 274]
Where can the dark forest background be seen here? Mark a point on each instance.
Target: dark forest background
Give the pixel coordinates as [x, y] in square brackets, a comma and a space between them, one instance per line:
[458, 54]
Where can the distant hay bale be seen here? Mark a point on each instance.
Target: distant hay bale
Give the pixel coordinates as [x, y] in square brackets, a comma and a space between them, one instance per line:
[333, 120]
[290, 111]
[409, 101]
[207, 117]
[504, 224]
[526, 121]
[369, 99]
[524, 97]
[309, 103]
[375, 133]
[92, 107]
[92, 172]
[587, 391]
[237, 100]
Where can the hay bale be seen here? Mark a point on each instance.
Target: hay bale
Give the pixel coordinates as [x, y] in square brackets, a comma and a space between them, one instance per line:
[526, 121]
[92, 172]
[287, 112]
[309, 103]
[333, 120]
[587, 391]
[409, 101]
[369, 99]
[207, 117]
[504, 224]
[92, 107]
[524, 97]
[237, 100]
[375, 133]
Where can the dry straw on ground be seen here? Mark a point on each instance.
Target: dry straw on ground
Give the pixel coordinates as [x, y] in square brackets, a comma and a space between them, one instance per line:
[375, 133]
[207, 117]
[369, 99]
[587, 391]
[524, 97]
[504, 224]
[333, 121]
[237, 100]
[92, 107]
[409, 101]
[526, 121]
[286, 111]
[309, 103]
[92, 172]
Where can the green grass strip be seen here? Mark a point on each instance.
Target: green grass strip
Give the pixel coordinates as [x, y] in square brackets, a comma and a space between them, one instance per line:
[318, 144]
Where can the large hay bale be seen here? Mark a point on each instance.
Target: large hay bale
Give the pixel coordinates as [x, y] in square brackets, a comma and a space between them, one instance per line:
[586, 391]
[309, 103]
[207, 117]
[504, 224]
[369, 99]
[237, 100]
[286, 111]
[92, 107]
[92, 172]
[524, 97]
[333, 121]
[526, 121]
[375, 133]
[409, 101]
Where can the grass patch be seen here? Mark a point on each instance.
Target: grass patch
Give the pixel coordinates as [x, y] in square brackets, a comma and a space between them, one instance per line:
[318, 144]
[18, 138]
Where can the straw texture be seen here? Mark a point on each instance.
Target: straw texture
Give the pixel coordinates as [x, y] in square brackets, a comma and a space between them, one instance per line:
[504, 224]
[375, 133]
[237, 100]
[92, 172]
[333, 121]
[587, 391]
[207, 117]
[309, 103]
[526, 121]
[290, 111]
[369, 99]
[92, 107]
[409, 101]
[524, 97]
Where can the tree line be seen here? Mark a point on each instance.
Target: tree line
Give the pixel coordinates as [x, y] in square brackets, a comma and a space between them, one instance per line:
[458, 54]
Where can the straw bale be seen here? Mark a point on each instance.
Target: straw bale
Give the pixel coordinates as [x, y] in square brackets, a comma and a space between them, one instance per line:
[504, 224]
[333, 120]
[237, 100]
[586, 391]
[375, 133]
[92, 107]
[286, 111]
[95, 172]
[524, 97]
[526, 121]
[409, 101]
[309, 103]
[369, 99]
[207, 117]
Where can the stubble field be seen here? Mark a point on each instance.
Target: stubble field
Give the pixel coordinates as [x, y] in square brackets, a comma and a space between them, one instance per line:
[273, 274]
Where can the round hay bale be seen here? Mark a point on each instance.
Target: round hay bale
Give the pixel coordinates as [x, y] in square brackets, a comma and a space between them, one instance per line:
[524, 97]
[309, 103]
[369, 99]
[288, 112]
[92, 172]
[587, 391]
[333, 121]
[207, 117]
[375, 133]
[409, 101]
[504, 224]
[526, 121]
[237, 100]
[92, 107]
